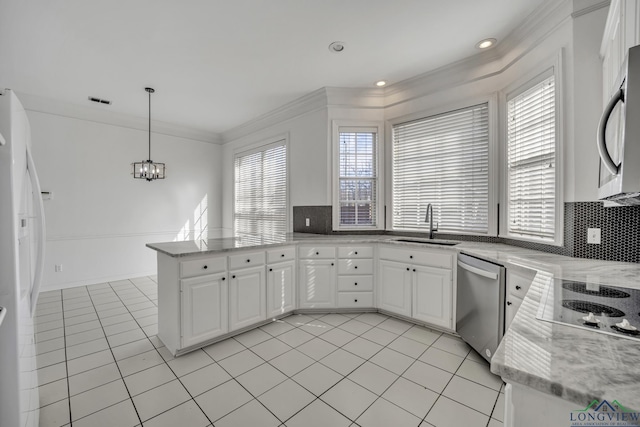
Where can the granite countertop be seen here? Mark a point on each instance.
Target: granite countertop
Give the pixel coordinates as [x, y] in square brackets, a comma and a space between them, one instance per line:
[574, 364]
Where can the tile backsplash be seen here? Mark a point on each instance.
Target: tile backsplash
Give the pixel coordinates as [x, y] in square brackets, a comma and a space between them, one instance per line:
[620, 231]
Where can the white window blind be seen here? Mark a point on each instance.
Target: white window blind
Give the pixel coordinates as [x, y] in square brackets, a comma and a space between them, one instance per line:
[358, 179]
[261, 191]
[443, 160]
[531, 151]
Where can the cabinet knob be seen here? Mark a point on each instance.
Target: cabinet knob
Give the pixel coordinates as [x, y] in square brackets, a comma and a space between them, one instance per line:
[317, 253]
[356, 252]
[233, 277]
[271, 269]
[355, 284]
[282, 255]
[407, 268]
[508, 302]
[331, 263]
[248, 260]
[414, 269]
[411, 256]
[224, 278]
[205, 267]
[518, 287]
[355, 300]
[355, 266]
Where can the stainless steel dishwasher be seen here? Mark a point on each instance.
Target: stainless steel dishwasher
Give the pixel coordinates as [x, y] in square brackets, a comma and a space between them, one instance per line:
[480, 304]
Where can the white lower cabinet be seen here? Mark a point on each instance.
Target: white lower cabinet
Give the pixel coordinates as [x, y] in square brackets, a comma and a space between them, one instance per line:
[247, 297]
[204, 308]
[317, 283]
[394, 294]
[281, 295]
[432, 295]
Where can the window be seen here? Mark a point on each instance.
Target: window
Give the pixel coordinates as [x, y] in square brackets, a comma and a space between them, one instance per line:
[357, 178]
[531, 162]
[261, 190]
[443, 160]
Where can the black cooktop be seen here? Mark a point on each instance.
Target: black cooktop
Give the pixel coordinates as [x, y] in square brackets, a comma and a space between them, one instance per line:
[570, 302]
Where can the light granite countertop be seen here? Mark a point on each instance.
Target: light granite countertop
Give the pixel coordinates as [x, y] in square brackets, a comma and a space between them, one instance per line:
[574, 364]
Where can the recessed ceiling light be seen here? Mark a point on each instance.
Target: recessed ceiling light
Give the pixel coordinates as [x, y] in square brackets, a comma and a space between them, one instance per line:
[380, 83]
[486, 43]
[337, 47]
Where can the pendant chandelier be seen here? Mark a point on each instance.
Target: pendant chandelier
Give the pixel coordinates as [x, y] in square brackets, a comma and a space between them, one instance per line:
[147, 169]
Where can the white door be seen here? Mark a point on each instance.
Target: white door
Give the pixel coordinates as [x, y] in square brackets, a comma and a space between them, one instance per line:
[247, 297]
[204, 308]
[317, 284]
[394, 283]
[280, 288]
[432, 296]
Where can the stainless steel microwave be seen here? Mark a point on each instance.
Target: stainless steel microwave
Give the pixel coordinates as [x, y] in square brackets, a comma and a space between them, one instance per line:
[619, 137]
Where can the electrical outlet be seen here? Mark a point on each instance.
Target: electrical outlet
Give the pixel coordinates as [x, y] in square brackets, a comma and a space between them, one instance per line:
[58, 268]
[593, 236]
[307, 223]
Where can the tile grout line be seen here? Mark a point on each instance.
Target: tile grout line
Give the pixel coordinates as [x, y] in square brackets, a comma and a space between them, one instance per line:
[66, 362]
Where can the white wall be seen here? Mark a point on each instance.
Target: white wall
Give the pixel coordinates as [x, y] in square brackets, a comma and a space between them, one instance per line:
[100, 218]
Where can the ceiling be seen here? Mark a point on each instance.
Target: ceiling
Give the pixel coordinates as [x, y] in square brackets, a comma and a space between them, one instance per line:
[216, 64]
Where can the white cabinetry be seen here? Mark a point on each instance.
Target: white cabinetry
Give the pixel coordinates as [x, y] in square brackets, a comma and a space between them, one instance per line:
[204, 308]
[281, 284]
[417, 283]
[355, 277]
[518, 283]
[621, 32]
[317, 268]
[247, 292]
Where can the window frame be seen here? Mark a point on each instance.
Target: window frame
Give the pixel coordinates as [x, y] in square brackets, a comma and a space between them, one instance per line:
[493, 187]
[339, 126]
[275, 141]
[546, 69]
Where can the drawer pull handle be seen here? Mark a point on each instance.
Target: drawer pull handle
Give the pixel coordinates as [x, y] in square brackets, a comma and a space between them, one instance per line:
[518, 287]
[355, 300]
[233, 277]
[205, 267]
[271, 269]
[508, 302]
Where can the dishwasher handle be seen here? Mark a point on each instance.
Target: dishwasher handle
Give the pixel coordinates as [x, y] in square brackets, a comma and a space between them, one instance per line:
[480, 272]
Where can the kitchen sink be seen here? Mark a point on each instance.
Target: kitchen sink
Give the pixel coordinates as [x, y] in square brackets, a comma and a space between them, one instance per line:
[429, 242]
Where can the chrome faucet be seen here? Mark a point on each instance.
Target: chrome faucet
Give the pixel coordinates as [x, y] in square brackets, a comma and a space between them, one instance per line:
[429, 218]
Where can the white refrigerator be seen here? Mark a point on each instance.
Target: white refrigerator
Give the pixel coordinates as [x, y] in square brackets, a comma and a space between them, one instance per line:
[21, 262]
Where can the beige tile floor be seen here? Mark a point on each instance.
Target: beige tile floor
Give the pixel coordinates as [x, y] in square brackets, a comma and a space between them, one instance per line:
[101, 364]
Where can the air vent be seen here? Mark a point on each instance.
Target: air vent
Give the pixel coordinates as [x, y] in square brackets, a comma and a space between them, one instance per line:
[99, 100]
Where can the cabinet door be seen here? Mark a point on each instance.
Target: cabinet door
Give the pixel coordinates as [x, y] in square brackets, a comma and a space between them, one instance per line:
[247, 297]
[317, 284]
[432, 296]
[394, 284]
[204, 308]
[281, 294]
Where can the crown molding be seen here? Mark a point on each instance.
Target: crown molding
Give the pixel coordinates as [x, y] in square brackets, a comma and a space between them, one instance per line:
[50, 106]
[589, 9]
[355, 97]
[312, 101]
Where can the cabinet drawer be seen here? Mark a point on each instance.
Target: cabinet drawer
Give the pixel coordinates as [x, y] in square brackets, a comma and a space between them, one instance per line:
[355, 299]
[355, 283]
[317, 252]
[200, 267]
[355, 252]
[285, 253]
[355, 266]
[518, 283]
[245, 260]
[438, 258]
